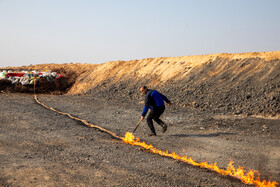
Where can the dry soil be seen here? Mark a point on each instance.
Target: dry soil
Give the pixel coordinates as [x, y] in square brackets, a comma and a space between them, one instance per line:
[39, 147]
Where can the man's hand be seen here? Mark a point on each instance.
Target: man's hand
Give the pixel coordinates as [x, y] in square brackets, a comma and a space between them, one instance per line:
[169, 104]
[142, 117]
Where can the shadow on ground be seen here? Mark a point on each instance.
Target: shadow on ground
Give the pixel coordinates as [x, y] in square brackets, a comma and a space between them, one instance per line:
[202, 135]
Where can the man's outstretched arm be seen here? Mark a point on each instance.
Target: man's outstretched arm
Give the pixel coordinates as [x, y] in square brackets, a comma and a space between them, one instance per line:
[165, 99]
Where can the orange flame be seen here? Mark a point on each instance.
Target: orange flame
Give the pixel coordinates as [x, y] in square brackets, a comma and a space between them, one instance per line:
[248, 178]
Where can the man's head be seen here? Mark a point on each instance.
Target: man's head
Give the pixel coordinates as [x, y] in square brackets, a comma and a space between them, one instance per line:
[143, 90]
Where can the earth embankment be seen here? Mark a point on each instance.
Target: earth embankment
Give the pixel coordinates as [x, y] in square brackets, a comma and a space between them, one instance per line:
[241, 83]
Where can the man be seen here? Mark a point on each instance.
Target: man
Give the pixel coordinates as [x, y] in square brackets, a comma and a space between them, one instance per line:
[155, 102]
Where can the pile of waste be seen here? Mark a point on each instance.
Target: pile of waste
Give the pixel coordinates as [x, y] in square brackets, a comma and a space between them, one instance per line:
[23, 81]
[28, 77]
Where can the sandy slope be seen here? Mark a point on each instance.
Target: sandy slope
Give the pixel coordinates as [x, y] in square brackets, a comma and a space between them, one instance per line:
[241, 83]
[164, 69]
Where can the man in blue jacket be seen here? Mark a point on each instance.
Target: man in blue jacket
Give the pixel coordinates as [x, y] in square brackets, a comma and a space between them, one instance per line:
[155, 102]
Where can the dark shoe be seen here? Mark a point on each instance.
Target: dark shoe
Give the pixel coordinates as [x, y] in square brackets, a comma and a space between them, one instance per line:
[151, 134]
[164, 128]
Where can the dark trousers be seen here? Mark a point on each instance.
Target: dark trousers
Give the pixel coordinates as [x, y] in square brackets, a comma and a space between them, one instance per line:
[154, 115]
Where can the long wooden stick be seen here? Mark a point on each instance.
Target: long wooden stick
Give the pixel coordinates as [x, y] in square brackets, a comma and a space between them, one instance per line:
[137, 125]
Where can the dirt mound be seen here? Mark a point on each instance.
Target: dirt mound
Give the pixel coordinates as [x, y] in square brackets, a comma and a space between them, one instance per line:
[242, 83]
[229, 83]
[156, 71]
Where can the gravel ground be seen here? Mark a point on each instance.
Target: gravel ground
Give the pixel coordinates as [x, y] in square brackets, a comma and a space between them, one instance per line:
[42, 148]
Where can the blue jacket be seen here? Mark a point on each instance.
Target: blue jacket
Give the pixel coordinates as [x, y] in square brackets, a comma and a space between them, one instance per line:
[153, 99]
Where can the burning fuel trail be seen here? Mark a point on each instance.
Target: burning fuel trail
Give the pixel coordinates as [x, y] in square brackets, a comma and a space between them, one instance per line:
[239, 173]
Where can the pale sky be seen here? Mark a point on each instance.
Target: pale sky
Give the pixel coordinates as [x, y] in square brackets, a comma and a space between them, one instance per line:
[98, 31]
